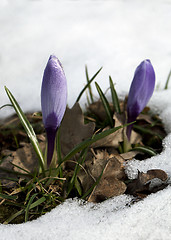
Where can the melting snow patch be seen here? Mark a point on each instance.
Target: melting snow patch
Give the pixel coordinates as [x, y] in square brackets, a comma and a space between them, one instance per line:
[116, 218]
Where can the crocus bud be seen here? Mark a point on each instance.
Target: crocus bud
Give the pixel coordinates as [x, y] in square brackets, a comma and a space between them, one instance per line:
[141, 90]
[53, 101]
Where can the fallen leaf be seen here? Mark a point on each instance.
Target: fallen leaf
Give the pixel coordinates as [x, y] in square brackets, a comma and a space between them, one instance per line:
[6, 163]
[135, 137]
[73, 130]
[142, 183]
[147, 118]
[98, 110]
[111, 183]
[26, 158]
[113, 139]
[154, 173]
[129, 155]
[93, 166]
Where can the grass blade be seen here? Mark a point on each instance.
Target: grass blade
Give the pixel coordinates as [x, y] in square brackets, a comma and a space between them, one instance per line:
[115, 99]
[147, 131]
[28, 206]
[24, 170]
[14, 216]
[81, 93]
[8, 197]
[5, 105]
[167, 81]
[28, 128]
[78, 186]
[33, 205]
[93, 186]
[89, 86]
[88, 142]
[76, 170]
[15, 172]
[38, 202]
[8, 178]
[149, 151]
[105, 104]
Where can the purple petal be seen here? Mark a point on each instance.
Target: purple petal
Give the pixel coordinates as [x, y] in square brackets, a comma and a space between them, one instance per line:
[140, 92]
[53, 99]
[53, 93]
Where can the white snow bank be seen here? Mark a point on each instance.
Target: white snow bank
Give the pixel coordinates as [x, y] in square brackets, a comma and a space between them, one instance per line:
[117, 35]
[148, 219]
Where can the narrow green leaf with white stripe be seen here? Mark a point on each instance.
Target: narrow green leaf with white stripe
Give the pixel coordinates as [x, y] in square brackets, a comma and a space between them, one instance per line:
[28, 128]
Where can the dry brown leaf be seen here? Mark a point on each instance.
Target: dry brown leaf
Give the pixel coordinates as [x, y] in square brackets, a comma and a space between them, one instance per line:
[6, 164]
[145, 117]
[94, 164]
[135, 137]
[26, 158]
[129, 155]
[142, 183]
[154, 173]
[97, 109]
[113, 139]
[111, 183]
[99, 160]
[73, 130]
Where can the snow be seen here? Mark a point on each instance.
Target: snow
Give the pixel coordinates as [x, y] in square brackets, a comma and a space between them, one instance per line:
[110, 220]
[117, 35]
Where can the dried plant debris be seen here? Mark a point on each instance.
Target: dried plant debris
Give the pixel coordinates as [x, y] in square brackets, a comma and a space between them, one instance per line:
[142, 186]
[150, 127]
[23, 160]
[12, 134]
[26, 158]
[16, 149]
[6, 163]
[98, 111]
[112, 181]
[114, 139]
[129, 155]
[73, 130]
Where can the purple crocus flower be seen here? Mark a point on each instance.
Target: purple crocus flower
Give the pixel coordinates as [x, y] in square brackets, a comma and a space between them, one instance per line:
[53, 101]
[140, 92]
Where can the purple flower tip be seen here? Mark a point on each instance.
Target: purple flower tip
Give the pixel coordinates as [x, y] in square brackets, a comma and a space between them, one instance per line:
[140, 92]
[53, 100]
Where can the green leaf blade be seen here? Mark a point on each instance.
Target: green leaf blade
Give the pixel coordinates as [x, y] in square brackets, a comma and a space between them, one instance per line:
[147, 150]
[88, 142]
[83, 90]
[28, 128]
[167, 81]
[89, 86]
[28, 206]
[105, 104]
[115, 99]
